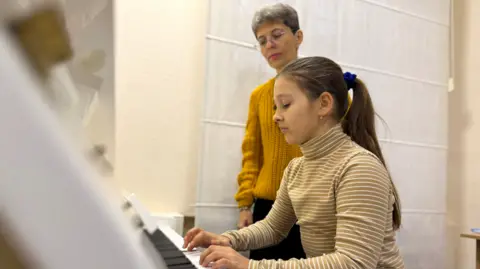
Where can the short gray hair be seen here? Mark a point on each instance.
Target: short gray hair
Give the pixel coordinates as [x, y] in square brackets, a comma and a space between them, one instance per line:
[278, 12]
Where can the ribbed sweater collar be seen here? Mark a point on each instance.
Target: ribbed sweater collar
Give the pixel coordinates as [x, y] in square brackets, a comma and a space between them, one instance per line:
[325, 144]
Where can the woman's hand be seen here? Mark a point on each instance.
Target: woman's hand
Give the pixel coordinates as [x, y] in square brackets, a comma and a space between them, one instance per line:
[245, 219]
[221, 257]
[197, 237]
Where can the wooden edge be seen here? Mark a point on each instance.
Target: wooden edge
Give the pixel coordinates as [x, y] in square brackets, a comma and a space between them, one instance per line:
[188, 223]
[471, 235]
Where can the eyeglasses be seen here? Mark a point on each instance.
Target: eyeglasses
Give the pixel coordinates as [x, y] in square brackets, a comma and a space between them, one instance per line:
[276, 35]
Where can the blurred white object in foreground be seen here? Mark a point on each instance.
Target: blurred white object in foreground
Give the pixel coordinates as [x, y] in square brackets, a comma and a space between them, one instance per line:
[55, 207]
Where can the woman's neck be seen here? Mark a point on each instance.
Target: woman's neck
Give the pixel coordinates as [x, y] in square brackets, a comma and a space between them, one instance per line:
[280, 68]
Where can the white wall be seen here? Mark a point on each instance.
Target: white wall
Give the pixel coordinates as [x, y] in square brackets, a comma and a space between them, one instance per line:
[159, 74]
[400, 48]
[464, 131]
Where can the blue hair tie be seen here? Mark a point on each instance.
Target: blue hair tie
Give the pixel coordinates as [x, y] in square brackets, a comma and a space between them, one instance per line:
[350, 80]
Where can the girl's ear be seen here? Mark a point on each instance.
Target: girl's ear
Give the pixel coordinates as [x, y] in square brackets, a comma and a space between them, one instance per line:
[325, 104]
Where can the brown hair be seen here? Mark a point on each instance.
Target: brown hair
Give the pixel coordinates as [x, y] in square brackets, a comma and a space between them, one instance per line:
[317, 75]
[278, 12]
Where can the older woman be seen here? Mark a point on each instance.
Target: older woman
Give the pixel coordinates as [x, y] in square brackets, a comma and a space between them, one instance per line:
[266, 154]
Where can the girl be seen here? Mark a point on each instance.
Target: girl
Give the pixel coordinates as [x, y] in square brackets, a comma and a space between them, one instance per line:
[339, 192]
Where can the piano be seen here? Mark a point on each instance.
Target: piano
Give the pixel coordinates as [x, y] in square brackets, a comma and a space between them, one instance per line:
[55, 210]
[165, 240]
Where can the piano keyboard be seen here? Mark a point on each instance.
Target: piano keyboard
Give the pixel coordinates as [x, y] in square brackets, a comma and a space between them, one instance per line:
[172, 256]
[169, 245]
[166, 241]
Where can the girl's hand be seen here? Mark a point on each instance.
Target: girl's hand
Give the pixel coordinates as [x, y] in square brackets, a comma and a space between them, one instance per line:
[197, 237]
[222, 257]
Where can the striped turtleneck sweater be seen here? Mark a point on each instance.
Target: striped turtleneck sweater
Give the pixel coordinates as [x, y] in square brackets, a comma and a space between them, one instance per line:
[342, 197]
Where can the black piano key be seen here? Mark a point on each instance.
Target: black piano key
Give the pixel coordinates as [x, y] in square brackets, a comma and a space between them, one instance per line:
[182, 266]
[161, 250]
[172, 254]
[161, 244]
[177, 261]
[165, 247]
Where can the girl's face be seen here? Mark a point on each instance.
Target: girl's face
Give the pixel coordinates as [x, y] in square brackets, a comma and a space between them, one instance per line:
[299, 118]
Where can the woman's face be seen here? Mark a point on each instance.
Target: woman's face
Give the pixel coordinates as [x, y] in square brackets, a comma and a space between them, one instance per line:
[278, 44]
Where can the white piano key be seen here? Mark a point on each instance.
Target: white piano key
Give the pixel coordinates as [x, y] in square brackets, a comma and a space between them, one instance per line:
[193, 256]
